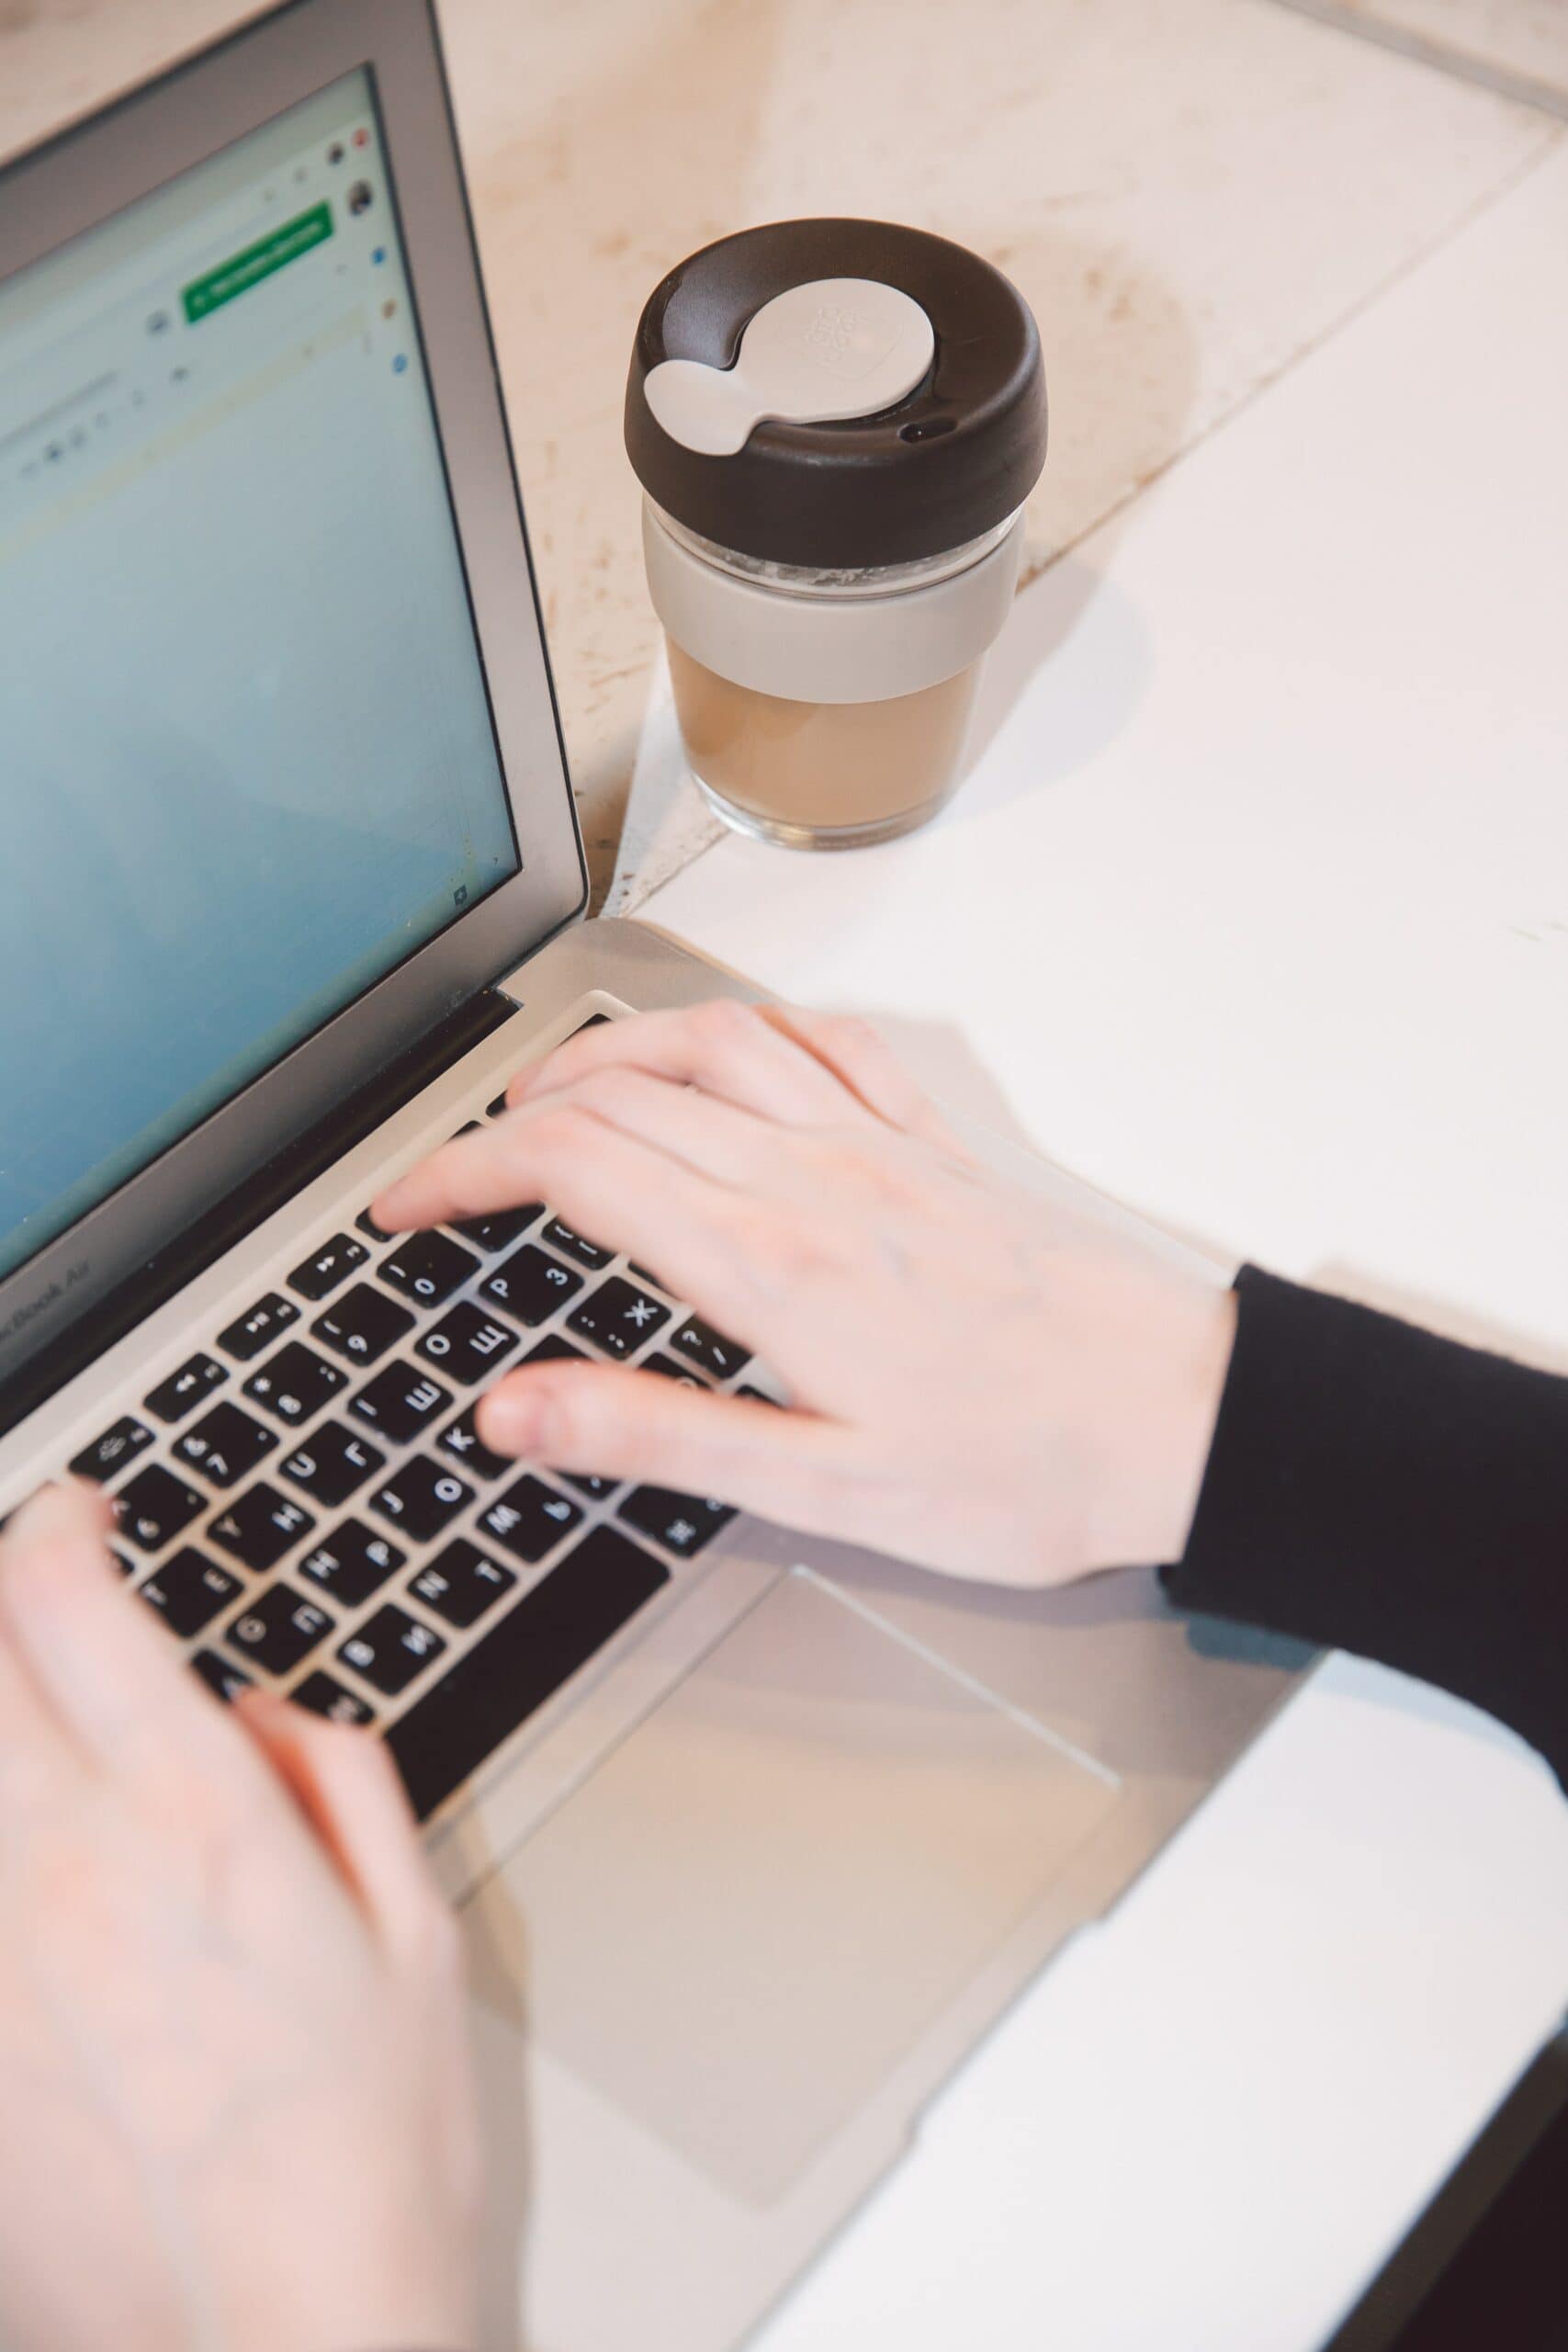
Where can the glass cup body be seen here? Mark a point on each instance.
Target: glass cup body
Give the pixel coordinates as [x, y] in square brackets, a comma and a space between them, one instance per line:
[814, 775]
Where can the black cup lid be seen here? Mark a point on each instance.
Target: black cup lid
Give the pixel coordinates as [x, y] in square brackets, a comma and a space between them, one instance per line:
[953, 459]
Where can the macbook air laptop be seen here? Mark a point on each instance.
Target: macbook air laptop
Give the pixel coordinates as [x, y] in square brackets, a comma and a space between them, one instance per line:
[753, 1838]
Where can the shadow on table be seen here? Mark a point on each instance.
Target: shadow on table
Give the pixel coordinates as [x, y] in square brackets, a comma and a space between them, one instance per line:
[1121, 367]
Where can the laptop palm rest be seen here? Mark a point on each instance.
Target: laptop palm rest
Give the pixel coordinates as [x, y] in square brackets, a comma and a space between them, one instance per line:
[744, 1918]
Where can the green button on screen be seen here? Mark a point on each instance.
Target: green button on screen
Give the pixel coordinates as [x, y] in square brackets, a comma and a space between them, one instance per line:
[243, 270]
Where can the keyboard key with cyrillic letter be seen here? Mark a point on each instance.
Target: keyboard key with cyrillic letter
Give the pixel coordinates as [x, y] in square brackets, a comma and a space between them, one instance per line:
[390, 1648]
[363, 1324]
[352, 1562]
[261, 1526]
[530, 1518]
[332, 1463]
[539, 1644]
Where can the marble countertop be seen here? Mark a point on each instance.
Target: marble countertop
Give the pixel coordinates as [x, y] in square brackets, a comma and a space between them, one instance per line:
[1194, 195]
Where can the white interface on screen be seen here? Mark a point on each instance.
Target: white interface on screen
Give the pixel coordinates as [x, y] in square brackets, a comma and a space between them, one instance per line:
[246, 759]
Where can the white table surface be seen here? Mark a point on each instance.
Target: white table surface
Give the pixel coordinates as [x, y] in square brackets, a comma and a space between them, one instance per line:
[1255, 912]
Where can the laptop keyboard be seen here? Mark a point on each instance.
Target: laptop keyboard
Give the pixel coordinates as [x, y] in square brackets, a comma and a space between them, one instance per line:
[307, 1504]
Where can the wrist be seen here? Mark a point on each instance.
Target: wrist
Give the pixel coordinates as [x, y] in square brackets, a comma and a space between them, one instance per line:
[1170, 1405]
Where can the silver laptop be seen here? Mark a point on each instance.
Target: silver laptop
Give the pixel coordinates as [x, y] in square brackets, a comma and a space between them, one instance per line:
[753, 1838]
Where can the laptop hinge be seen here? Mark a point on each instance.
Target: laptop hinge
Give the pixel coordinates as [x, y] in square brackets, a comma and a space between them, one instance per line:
[242, 1210]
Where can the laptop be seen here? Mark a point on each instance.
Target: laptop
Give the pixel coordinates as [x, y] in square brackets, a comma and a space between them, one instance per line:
[754, 1837]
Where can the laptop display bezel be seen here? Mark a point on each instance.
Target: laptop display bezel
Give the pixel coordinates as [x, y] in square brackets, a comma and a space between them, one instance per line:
[94, 170]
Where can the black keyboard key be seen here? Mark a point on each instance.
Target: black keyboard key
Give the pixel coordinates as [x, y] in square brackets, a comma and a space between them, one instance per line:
[188, 1590]
[184, 1390]
[494, 1109]
[667, 1368]
[332, 1463]
[697, 1342]
[678, 1523]
[390, 1648]
[501, 1228]
[258, 1328]
[467, 1343]
[555, 1350]
[261, 1526]
[325, 1696]
[588, 1483]
[401, 1403]
[155, 1505]
[295, 1383]
[420, 1497]
[122, 1560]
[363, 1324]
[462, 1440]
[219, 1675]
[331, 1264]
[368, 1224]
[561, 1236]
[278, 1629]
[522, 1660]
[530, 1518]
[756, 1396]
[225, 1444]
[428, 1267]
[352, 1563]
[461, 1583]
[529, 1285]
[108, 1455]
[618, 1318]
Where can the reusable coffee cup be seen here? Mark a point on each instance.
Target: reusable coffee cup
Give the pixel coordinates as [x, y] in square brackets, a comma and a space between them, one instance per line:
[836, 424]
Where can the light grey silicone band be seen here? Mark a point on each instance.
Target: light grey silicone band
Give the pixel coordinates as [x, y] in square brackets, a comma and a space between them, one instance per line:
[837, 649]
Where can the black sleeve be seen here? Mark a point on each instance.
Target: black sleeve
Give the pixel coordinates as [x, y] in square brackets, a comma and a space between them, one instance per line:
[1374, 1488]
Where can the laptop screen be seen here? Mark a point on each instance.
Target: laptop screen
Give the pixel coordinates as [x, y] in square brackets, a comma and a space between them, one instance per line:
[246, 757]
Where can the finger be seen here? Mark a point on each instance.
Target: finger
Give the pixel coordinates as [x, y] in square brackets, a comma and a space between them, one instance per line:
[65, 1511]
[717, 1140]
[867, 1065]
[612, 1186]
[37, 1752]
[728, 1048]
[346, 1786]
[105, 1667]
[622, 1424]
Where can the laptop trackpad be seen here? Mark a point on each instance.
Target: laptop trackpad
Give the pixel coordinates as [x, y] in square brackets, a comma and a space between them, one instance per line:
[745, 1917]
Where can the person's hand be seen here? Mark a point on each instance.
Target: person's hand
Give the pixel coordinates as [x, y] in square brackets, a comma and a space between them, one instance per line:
[978, 1382]
[234, 2088]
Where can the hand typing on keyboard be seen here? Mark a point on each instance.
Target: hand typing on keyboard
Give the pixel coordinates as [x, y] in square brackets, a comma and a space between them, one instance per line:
[234, 2093]
[979, 1383]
